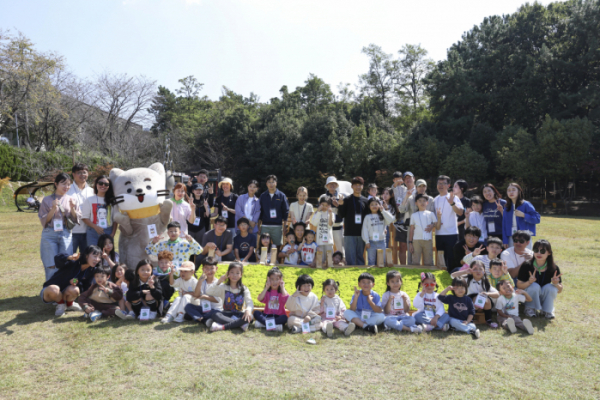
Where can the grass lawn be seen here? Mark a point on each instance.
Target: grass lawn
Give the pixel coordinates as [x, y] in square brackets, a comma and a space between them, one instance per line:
[44, 356]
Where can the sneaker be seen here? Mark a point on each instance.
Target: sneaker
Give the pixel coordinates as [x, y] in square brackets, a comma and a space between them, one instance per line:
[130, 315]
[216, 327]
[475, 333]
[74, 307]
[446, 327]
[528, 326]
[245, 327]
[179, 318]
[416, 329]
[279, 328]
[371, 329]
[258, 325]
[167, 319]
[549, 315]
[510, 324]
[121, 314]
[351, 327]
[209, 323]
[329, 329]
[428, 328]
[95, 315]
[492, 325]
[530, 312]
[295, 329]
[60, 309]
[86, 315]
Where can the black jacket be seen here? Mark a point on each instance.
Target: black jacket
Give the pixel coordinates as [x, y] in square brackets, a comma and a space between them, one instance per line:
[67, 270]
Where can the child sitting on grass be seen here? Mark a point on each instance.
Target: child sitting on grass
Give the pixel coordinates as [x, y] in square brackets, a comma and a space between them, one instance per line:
[289, 254]
[102, 297]
[308, 250]
[460, 307]
[204, 310]
[186, 284]
[332, 310]
[274, 296]
[508, 307]
[182, 249]
[303, 306]
[478, 284]
[122, 277]
[163, 274]
[236, 299]
[145, 290]
[396, 304]
[365, 309]
[430, 310]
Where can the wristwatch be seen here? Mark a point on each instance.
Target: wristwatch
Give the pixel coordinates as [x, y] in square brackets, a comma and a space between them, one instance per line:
[452, 204]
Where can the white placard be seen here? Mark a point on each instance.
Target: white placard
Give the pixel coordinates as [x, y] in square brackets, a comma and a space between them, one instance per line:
[58, 225]
[225, 214]
[270, 324]
[152, 232]
[358, 219]
[103, 223]
[480, 300]
[365, 315]
[197, 221]
[205, 305]
[398, 303]
[330, 312]
[376, 237]
[491, 227]
[429, 313]
[273, 213]
[305, 327]
[144, 314]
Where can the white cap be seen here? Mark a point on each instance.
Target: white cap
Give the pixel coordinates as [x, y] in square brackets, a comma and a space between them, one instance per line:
[331, 179]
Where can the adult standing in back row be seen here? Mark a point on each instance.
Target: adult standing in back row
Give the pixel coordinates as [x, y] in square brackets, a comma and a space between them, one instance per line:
[493, 210]
[450, 206]
[353, 209]
[274, 210]
[225, 204]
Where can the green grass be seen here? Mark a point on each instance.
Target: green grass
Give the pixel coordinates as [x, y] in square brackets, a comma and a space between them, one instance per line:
[47, 357]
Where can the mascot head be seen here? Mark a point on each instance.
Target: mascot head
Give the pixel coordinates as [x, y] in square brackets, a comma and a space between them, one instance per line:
[139, 192]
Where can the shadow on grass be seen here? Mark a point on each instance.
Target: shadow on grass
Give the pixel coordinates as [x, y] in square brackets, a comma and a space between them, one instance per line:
[34, 311]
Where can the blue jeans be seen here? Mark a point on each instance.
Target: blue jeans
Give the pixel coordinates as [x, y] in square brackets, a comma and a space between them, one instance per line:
[79, 242]
[374, 319]
[542, 297]
[421, 318]
[354, 246]
[279, 319]
[196, 313]
[398, 322]
[372, 251]
[387, 239]
[446, 244]
[52, 244]
[92, 236]
[460, 327]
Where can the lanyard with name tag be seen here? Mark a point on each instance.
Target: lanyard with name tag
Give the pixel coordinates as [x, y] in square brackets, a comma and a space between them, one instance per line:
[273, 213]
[398, 303]
[270, 324]
[205, 305]
[429, 313]
[58, 225]
[324, 238]
[376, 236]
[365, 315]
[225, 214]
[491, 227]
[330, 312]
[103, 223]
[305, 327]
[197, 221]
[357, 219]
[480, 300]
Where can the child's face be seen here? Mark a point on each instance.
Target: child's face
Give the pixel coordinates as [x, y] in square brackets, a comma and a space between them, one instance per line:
[243, 227]
[476, 207]
[101, 279]
[173, 233]
[496, 270]
[291, 239]
[299, 231]
[234, 275]
[186, 275]
[275, 280]
[302, 196]
[310, 238]
[108, 246]
[395, 283]
[265, 242]
[337, 260]
[397, 181]
[324, 206]
[478, 272]
[145, 272]
[506, 289]
[330, 291]
[209, 270]
[366, 285]
[471, 240]
[385, 196]
[428, 285]
[305, 289]
[459, 291]
[422, 204]
[119, 272]
[374, 207]
[493, 249]
[164, 264]
[373, 192]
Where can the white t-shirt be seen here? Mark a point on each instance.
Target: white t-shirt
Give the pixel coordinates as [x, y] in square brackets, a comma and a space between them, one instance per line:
[449, 223]
[301, 212]
[187, 286]
[420, 220]
[81, 196]
[477, 219]
[95, 209]
[476, 287]
[513, 260]
[324, 232]
[510, 306]
[293, 258]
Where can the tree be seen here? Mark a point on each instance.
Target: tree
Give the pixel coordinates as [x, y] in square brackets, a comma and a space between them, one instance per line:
[380, 82]
[465, 163]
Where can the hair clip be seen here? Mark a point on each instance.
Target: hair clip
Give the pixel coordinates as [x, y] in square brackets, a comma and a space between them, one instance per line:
[422, 276]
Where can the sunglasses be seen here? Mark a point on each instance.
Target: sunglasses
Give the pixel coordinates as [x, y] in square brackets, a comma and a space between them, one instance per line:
[520, 241]
[429, 284]
[103, 183]
[541, 251]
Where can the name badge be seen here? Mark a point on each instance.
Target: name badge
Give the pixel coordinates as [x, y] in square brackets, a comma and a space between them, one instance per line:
[305, 327]
[145, 314]
[152, 231]
[330, 312]
[273, 213]
[205, 305]
[103, 223]
[270, 324]
[58, 225]
[376, 236]
[325, 239]
[365, 315]
[480, 300]
[491, 227]
[398, 303]
[225, 214]
[197, 221]
[514, 230]
[309, 257]
[429, 313]
[357, 219]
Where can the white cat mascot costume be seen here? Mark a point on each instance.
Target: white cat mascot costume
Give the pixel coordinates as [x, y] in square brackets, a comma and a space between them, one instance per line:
[141, 200]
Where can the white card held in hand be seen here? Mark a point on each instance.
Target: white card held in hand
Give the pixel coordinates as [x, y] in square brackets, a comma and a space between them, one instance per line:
[330, 312]
[480, 300]
[273, 213]
[58, 225]
[144, 314]
[305, 327]
[398, 303]
[152, 231]
[429, 313]
[205, 305]
[365, 315]
[270, 324]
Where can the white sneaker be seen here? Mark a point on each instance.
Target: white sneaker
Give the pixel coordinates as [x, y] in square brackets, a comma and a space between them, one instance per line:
[209, 323]
[258, 325]
[351, 327]
[179, 318]
[121, 314]
[428, 328]
[416, 329]
[216, 327]
[528, 326]
[130, 315]
[510, 323]
[74, 307]
[279, 328]
[295, 329]
[95, 315]
[446, 327]
[167, 319]
[530, 312]
[475, 333]
[245, 327]
[60, 309]
[329, 329]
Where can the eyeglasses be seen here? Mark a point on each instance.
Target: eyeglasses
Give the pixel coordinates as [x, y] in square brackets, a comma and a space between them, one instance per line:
[429, 284]
[103, 183]
[520, 241]
[541, 251]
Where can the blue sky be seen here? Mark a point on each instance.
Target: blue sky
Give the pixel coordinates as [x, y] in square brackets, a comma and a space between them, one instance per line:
[248, 46]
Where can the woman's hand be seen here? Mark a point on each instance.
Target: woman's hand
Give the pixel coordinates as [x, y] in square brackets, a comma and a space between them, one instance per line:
[499, 207]
[519, 213]
[73, 257]
[532, 278]
[555, 279]
[99, 230]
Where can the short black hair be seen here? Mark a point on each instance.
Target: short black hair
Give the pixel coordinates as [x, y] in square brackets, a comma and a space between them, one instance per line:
[338, 253]
[269, 177]
[220, 220]
[495, 240]
[90, 250]
[202, 172]
[325, 199]
[473, 230]
[210, 261]
[459, 282]
[79, 167]
[521, 235]
[476, 199]
[444, 178]
[174, 224]
[502, 282]
[129, 275]
[372, 185]
[304, 279]
[397, 174]
[366, 275]
[357, 179]
[495, 261]
[243, 220]
[101, 269]
[420, 196]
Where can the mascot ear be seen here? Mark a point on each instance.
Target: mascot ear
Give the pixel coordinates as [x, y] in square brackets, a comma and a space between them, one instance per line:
[114, 173]
[170, 183]
[158, 168]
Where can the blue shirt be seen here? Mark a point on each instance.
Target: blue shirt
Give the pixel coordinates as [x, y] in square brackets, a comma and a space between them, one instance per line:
[458, 307]
[363, 302]
[279, 203]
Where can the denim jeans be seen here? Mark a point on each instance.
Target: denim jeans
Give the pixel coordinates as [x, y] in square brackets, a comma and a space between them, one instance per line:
[374, 319]
[372, 251]
[52, 244]
[92, 236]
[398, 322]
[421, 318]
[79, 242]
[460, 327]
[354, 246]
[542, 297]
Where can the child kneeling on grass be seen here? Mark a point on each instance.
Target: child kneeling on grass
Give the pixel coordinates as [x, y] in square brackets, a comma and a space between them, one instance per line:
[396, 304]
[122, 277]
[102, 297]
[274, 296]
[303, 306]
[460, 307]
[186, 284]
[236, 299]
[145, 290]
[332, 310]
[508, 307]
[365, 310]
[206, 308]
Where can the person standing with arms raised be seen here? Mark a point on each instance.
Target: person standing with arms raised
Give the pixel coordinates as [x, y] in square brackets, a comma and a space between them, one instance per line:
[353, 209]
[450, 207]
[274, 209]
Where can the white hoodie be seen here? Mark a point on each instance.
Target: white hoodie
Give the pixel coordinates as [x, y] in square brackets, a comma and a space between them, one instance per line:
[373, 227]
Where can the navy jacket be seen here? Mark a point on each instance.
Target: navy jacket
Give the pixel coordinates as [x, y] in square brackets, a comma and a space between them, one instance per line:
[279, 202]
[67, 270]
[458, 307]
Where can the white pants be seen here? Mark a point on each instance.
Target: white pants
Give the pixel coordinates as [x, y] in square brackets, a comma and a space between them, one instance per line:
[179, 304]
[341, 325]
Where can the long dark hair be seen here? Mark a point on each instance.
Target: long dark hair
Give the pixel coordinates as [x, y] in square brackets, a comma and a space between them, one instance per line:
[392, 202]
[544, 244]
[109, 197]
[368, 208]
[113, 273]
[102, 241]
[136, 279]
[90, 250]
[240, 285]
[497, 194]
[260, 245]
[392, 274]
[520, 198]
[486, 281]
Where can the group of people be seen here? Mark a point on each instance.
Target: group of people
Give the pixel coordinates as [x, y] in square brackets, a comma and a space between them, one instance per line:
[488, 233]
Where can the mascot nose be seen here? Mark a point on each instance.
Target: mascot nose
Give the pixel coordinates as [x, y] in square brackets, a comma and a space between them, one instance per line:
[139, 191]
